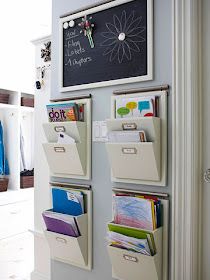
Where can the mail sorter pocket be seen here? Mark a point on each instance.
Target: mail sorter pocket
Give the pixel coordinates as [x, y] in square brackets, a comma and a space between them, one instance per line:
[150, 125]
[73, 250]
[75, 129]
[66, 158]
[128, 265]
[135, 160]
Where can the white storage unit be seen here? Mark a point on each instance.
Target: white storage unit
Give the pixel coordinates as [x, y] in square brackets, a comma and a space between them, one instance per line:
[16, 257]
[12, 116]
[140, 162]
[76, 251]
[16, 218]
[65, 247]
[70, 160]
[128, 265]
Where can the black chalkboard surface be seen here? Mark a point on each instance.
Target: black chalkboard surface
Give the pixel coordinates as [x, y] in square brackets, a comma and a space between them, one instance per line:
[111, 59]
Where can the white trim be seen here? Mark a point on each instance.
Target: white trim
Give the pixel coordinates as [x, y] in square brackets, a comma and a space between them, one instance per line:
[41, 40]
[186, 137]
[109, 5]
[37, 233]
[35, 275]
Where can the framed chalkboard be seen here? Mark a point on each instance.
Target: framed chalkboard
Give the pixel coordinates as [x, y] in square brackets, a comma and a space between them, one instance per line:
[106, 45]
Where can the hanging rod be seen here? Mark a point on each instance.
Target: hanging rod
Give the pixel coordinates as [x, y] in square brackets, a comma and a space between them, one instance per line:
[86, 8]
[75, 186]
[165, 195]
[138, 90]
[73, 97]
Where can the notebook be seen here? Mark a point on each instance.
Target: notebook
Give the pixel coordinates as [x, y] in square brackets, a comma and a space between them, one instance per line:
[60, 223]
[67, 201]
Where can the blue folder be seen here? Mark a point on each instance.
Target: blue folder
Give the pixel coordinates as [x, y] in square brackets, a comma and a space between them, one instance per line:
[67, 202]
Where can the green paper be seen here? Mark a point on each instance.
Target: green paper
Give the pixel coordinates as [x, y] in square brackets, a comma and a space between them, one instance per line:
[132, 232]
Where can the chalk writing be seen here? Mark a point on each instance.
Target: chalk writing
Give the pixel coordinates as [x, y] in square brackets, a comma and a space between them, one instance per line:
[80, 62]
[73, 49]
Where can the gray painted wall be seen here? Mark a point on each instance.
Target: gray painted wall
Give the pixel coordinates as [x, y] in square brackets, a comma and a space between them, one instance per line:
[101, 183]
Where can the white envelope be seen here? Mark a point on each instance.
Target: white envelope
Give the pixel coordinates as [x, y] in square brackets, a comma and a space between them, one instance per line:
[63, 138]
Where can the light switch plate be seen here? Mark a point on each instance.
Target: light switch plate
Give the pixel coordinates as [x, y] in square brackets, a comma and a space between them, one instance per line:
[100, 131]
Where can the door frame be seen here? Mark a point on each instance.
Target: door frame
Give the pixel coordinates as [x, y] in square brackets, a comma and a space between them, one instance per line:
[186, 141]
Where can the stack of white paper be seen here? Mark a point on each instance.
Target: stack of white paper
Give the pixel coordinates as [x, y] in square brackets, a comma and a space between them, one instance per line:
[126, 136]
[129, 243]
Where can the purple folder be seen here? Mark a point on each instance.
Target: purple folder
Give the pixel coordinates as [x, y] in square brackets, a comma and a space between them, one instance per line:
[59, 226]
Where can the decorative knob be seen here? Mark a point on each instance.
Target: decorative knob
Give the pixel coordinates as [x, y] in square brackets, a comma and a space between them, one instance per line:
[121, 36]
[71, 23]
[65, 25]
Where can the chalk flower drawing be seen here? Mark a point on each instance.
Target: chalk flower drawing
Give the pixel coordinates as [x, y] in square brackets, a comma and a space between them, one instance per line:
[123, 37]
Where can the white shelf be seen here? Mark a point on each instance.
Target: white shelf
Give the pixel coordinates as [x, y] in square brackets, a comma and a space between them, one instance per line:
[12, 196]
[27, 109]
[8, 106]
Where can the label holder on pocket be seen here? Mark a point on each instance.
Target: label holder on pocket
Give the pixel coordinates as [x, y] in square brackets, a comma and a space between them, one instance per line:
[129, 151]
[61, 240]
[59, 149]
[130, 258]
[129, 126]
[59, 129]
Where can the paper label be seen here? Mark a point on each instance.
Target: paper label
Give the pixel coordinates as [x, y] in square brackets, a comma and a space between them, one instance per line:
[59, 128]
[129, 126]
[59, 149]
[131, 151]
[72, 197]
[130, 258]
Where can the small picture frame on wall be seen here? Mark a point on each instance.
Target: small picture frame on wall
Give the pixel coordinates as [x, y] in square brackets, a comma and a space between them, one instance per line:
[106, 45]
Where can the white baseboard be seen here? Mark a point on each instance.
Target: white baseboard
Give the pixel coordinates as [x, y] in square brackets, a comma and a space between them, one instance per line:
[35, 275]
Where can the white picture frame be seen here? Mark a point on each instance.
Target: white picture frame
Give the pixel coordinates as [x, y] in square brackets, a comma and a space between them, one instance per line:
[147, 77]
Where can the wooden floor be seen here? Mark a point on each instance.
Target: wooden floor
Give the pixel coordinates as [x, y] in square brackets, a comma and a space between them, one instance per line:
[17, 257]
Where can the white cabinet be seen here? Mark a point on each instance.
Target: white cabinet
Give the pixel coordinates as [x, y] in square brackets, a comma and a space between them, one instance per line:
[16, 257]
[16, 218]
[13, 116]
[16, 243]
[16, 204]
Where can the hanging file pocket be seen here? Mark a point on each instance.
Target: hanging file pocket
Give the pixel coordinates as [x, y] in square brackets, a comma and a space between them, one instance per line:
[135, 160]
[70, 249]
[66, 158]
[128, 265]
[74, 129]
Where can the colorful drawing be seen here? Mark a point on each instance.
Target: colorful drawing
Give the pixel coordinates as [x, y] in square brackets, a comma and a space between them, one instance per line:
[146, 106]
[142, 106]
[131, 106]
[122, 111]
